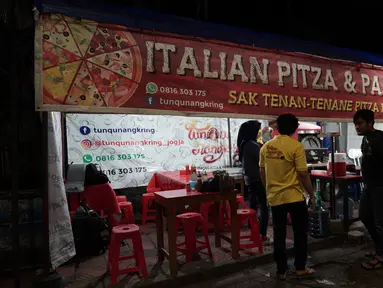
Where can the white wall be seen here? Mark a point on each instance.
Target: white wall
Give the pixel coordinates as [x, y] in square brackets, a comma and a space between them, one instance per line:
[353, 140]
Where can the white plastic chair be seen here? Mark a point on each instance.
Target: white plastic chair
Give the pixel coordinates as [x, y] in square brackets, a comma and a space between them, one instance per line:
[356, 155]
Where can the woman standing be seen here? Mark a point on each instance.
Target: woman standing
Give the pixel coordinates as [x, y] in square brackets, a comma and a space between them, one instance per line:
[249, 156]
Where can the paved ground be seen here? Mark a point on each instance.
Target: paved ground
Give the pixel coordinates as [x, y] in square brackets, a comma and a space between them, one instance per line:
[90, 271]
[337, 267]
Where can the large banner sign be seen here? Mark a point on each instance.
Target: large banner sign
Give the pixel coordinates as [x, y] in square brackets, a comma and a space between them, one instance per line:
[130, 148]
[87, 66]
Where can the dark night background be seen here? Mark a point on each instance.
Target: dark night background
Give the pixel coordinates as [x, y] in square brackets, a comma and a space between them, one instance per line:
[347, 24]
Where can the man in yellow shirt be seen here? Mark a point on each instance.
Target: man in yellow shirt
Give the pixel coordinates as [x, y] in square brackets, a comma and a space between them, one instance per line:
[284, 174]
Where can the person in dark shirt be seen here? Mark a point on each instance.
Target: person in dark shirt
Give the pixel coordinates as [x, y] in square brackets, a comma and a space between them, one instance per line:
[249, 157]
[370, 209]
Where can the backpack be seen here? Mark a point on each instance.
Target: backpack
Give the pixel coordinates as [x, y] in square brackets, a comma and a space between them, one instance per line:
[91, 233]
[94, 175]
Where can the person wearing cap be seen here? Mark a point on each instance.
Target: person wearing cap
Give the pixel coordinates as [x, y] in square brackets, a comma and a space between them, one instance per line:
[370, 208]
[284, 173]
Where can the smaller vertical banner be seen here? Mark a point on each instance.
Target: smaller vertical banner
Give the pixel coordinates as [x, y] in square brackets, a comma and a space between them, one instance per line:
[61, 242]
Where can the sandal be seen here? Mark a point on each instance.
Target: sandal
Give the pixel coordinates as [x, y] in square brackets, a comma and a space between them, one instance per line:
[284, 276]
[304, 274]
[373, 264]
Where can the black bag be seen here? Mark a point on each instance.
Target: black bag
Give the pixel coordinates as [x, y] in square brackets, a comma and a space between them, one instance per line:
[94, 175]
[212, 184]
[52, 280]
[91, 233]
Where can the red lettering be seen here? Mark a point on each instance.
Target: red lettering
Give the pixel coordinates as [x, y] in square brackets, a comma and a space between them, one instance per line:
[195, 151]
[212, 134]
[194, 135]
[210, 153]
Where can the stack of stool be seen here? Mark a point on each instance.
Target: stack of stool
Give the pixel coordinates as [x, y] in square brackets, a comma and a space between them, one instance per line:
[119, 234]
[189, 222]
[127, 213]
[148, 212]
[126, 208]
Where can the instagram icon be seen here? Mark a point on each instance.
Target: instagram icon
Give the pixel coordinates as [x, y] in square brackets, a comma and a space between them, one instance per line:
[86, 144]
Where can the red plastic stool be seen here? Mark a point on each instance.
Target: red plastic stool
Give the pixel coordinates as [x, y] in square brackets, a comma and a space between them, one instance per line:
[255, 235]
[189, 222]
[241, 202]
[206, 210]
[127, 212]
[121, 198]
[148, 212]
[226, 210]
[120, 233]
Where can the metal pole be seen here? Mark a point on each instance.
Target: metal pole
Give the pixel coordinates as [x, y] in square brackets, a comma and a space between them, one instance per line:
[230, 148]
[206, 6]
[333, 180]
[45, 176]
[64, 142]
[14, 157]
[199, 9]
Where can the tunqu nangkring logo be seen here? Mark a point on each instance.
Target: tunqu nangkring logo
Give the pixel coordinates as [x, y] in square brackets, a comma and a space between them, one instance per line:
[86, 144]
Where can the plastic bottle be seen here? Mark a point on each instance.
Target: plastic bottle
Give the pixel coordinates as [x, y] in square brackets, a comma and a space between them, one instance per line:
[204, 176]
[318, 198]
[199, 184]
[193, 177]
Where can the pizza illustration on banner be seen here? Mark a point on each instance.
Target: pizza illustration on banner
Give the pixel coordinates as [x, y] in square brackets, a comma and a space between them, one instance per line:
[87, 63]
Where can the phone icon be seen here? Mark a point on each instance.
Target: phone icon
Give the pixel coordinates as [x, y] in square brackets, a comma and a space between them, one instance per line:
[151, 88]
[87, 158]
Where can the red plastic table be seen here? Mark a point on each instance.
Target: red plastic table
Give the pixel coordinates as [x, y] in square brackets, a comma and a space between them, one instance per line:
[171, 200]
[170, 180]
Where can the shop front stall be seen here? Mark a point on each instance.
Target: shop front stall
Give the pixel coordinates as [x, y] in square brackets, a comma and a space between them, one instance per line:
[87, 66]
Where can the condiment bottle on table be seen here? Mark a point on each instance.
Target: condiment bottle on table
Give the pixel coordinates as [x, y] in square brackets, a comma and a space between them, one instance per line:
[204, 176]
[193, 181]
